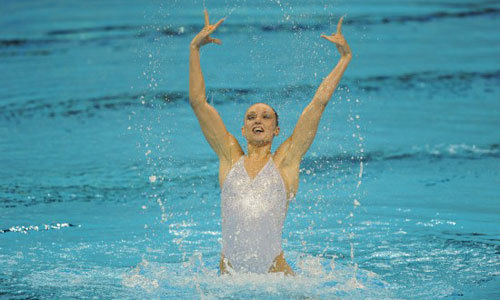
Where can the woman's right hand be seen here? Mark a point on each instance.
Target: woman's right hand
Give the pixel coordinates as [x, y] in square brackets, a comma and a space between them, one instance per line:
[203, 37]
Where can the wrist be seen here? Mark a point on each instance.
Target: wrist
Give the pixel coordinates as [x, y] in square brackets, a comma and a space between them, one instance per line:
[194, 47]
[346, 56]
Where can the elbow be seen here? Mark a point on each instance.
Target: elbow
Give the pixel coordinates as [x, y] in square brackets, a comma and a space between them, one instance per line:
[195, 100]
[347, 57]
[196, 103]
[319, 103]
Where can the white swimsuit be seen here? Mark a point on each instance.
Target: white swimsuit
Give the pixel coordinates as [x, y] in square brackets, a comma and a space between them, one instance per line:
[253, 213]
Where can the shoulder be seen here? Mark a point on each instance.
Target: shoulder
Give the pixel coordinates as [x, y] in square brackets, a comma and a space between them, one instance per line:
[284, 158]
[227, 162]
[233, 153]
[288, 166]
[233, 142]
[235, 150]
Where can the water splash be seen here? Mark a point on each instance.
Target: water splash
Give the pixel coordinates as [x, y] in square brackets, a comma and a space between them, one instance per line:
[315, 277]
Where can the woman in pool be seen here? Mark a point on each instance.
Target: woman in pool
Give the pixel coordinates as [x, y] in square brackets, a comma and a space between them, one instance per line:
[256, 187]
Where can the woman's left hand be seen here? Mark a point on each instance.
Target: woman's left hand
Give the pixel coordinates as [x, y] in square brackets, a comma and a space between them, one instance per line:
[338, 39]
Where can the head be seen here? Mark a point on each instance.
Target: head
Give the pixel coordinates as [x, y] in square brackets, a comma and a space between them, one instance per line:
[260, 124]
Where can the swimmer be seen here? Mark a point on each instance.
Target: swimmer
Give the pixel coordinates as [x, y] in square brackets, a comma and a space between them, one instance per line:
[256, 187]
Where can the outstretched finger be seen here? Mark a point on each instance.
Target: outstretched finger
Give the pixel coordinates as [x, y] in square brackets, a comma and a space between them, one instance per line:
[327, 37]
[207, 22]
[218, 23]
[216, 41]
[339, 25]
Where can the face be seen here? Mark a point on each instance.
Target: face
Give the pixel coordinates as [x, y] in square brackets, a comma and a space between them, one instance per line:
[259, 126]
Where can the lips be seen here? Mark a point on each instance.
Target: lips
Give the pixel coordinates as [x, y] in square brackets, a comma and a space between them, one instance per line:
[258, 129]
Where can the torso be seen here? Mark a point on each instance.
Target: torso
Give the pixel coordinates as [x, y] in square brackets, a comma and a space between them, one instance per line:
[234, 177]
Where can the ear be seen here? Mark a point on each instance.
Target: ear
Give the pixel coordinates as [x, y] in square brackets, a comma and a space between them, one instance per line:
[277, 131]
[243, 131]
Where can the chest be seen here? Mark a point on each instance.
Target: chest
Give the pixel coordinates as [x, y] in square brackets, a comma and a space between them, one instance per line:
[289, 176]
[259, 197]
[263, 178]
[252, 169]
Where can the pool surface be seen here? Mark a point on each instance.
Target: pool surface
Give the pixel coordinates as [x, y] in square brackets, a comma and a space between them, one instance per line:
[108, 189]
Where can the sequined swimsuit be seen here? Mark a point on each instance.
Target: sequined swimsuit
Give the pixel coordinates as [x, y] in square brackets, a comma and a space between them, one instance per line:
[253, 213]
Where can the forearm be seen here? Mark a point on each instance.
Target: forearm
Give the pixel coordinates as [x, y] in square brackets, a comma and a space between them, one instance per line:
[330, 83]
[196, 82]
[305, 130]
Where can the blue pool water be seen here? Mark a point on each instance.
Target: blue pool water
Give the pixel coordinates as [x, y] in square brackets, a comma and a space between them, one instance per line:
[109, 190]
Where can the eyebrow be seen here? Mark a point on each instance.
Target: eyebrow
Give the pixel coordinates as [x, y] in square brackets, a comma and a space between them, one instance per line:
[253, 112]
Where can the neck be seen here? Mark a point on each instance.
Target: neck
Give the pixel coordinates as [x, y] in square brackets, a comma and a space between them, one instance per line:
[259, 152]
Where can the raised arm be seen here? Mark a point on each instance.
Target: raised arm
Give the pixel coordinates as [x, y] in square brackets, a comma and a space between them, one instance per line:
[303, 135]
[211, 123]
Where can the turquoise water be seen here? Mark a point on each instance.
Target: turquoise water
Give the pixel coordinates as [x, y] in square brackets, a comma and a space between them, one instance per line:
[109, 190]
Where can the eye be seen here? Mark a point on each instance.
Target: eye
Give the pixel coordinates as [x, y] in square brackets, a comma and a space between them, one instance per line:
[250, 117]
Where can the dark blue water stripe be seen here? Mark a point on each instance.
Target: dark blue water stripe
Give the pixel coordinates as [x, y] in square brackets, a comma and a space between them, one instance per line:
[321, 22]
[14, 195]
[318, 23]
[438, 152]
[94, 29]
[88, 107]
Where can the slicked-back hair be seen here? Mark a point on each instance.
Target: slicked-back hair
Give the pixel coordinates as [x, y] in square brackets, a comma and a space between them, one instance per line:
[275, 113]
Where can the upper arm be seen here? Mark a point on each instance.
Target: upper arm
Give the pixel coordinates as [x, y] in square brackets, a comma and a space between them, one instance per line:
[214, 130]
[296, 146]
